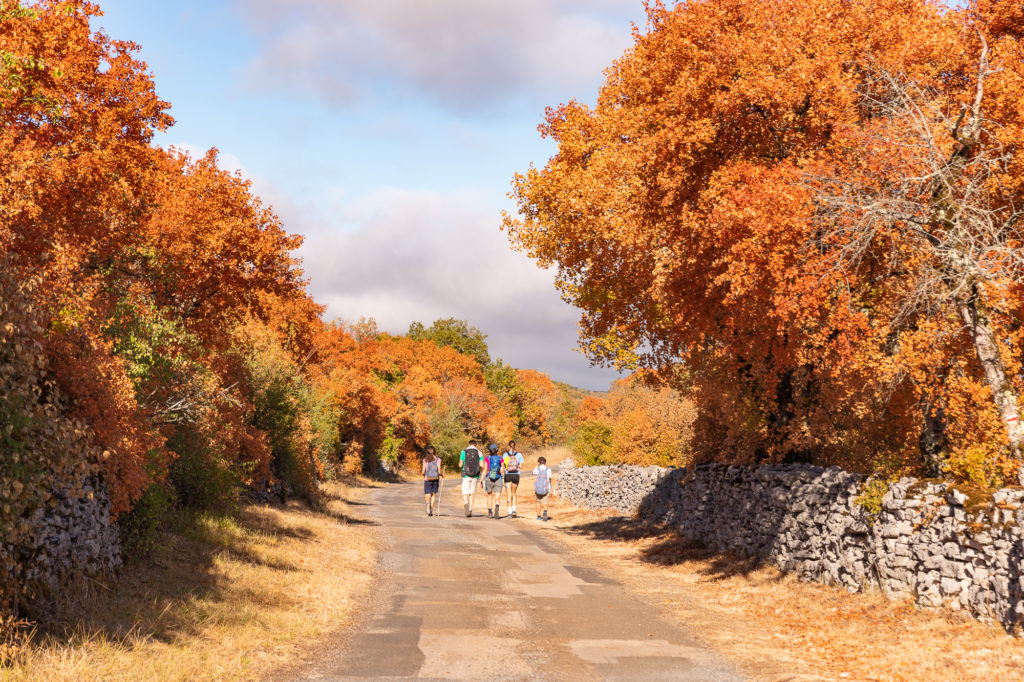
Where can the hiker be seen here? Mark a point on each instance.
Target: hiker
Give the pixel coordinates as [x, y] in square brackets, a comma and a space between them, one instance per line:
[493, 480]
[469, 462]
[542, 487]
[513, 462]
[433, 472]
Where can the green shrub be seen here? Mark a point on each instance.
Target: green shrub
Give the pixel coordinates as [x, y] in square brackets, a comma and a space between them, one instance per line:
[447, 435]
[391, 447]
[324, 417]
[140, 527]
[870, 498]
[202, 478]
[280, 393]
[592, 442]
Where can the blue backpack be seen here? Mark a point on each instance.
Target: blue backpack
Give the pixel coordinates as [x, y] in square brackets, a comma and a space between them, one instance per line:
[493, 467]
[542, 484]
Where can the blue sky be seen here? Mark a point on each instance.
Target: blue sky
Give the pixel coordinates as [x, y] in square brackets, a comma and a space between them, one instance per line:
[387, 132]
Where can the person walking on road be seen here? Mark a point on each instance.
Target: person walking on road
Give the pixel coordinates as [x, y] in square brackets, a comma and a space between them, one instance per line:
[542, 487]
[469, 462]
[493, 480]
[433, 472]
[513, 462]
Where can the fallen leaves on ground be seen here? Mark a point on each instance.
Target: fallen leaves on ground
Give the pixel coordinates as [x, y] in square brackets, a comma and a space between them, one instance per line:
[773, 626]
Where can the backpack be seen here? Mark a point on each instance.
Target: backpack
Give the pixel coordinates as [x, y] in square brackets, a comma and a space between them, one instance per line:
[471, 464]
[432, 470]
[511, 463]
[494, 467]
[542, 484]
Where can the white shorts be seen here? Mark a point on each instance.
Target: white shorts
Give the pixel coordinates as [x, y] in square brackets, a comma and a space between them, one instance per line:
[469, 485]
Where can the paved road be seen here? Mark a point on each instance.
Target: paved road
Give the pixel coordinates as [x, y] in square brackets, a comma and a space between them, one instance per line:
[488, 599]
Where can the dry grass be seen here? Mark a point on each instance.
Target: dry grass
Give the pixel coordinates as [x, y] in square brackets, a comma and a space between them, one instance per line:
[222, 599]
[775, 627]
[554, 457]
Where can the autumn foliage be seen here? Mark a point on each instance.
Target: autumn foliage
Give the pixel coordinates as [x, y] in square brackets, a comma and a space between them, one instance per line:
[635, 422]
[716, 217]
[155, 326]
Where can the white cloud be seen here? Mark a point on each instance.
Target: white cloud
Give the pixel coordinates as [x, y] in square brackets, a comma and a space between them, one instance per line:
[400, 255]
[225, 161]
[461, 54]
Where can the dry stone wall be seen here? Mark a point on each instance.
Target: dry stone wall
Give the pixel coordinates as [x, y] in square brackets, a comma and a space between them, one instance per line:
[73, 538]
[928, 541]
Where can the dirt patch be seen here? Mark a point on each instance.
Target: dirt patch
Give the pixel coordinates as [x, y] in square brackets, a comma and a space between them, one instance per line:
[775, 627]
[223, 598]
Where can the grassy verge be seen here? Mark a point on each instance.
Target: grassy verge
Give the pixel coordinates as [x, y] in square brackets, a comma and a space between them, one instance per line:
[777, 628]
[223, 598]
[553, 455]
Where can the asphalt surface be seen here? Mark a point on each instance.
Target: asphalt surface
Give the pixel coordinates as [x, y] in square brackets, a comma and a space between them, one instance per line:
[484, 599]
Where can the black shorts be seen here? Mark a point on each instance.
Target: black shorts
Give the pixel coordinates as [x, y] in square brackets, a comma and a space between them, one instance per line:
[512, 478]
[430, 487]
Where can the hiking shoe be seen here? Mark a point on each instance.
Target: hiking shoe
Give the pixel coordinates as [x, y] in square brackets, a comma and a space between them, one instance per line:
[545, 516]
[513, 514]
[490, 513]
[465, 506]
[538, 518]
[496, 514]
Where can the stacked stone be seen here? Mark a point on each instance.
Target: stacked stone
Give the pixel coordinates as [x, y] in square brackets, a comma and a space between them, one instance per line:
[73, 538]
[607, 487]
[267, 493]
[929, 541]
[934, 543]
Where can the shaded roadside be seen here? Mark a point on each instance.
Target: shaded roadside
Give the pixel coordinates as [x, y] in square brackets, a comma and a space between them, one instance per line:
[223, 596]
[775, 627]
[660, 545]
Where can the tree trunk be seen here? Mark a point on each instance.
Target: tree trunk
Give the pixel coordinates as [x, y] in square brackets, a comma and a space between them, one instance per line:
[980, 329]
[932, 439]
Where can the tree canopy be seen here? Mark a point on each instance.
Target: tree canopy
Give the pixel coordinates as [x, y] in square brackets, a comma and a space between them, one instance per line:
[453, 333]
[713, 211]
[155, 328]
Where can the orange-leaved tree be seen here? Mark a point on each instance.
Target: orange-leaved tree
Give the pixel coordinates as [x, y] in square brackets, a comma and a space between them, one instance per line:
[145, 261]
[686, 215]
[637, 422]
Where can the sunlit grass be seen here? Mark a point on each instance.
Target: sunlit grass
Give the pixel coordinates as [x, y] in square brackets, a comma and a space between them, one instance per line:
[223, 598]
